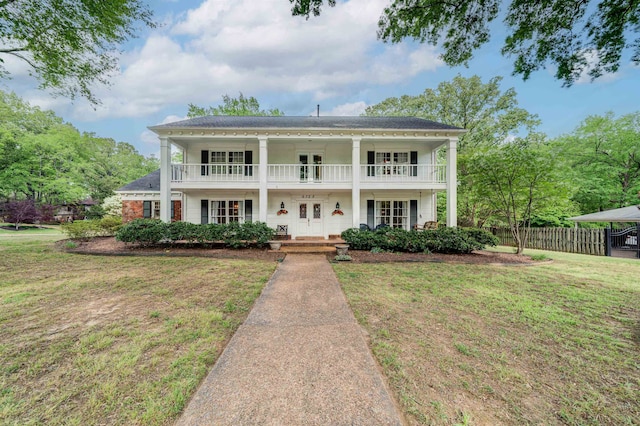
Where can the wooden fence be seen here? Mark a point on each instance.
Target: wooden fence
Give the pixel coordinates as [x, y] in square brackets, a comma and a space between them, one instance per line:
[571, 240]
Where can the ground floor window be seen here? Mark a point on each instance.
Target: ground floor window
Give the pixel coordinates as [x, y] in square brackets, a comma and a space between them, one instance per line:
[226, 211]
[151, 209]
[392, 213]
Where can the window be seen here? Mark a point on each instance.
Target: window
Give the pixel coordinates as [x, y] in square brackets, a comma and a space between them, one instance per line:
[151, 209]
[395, 163]
[392, 213]
[223, 162]
[236, 159]
[226, 211]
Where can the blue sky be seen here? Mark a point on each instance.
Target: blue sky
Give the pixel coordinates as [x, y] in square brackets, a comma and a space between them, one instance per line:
[205, 49]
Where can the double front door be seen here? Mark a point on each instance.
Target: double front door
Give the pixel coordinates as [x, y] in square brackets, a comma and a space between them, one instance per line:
[310, 221]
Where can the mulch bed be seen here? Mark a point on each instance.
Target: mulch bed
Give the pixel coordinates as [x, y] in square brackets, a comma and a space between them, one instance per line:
[109, 246]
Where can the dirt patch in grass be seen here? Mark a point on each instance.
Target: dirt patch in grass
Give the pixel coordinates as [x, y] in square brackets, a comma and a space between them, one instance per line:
[477, 257]
[113, 339]
[109, 246]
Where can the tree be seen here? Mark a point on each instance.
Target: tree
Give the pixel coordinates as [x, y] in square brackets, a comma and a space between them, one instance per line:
[69, 45]
[518, 178]
[489, 115]
[574, 36]
[233, 106]
[603, 161]
[23, 211]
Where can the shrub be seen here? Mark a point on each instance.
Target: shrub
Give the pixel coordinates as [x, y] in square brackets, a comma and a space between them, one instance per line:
[143, 231]
[81, 229]
[109, 225]
[234, 234]
[442, 240]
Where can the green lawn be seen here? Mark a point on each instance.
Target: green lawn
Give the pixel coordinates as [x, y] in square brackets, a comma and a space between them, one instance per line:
[555, 343]
[112, 340]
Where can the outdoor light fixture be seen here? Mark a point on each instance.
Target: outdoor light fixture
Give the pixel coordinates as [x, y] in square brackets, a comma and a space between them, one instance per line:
[338, 206]
[282, 205]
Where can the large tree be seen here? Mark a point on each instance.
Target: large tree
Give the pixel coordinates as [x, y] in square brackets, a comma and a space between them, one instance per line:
[70, 45]
[233, 106]
[571, 36]
[489, 114]
[602, 159]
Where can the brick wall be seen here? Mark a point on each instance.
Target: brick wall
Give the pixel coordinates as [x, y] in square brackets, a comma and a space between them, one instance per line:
[135, 210]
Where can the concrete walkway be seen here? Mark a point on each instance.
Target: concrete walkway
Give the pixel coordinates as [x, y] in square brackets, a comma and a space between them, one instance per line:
[299, 359]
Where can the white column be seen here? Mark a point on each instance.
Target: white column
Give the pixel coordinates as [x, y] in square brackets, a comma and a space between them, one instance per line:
[165, 179]
[262, 172]
[355, 182]
[452, 182]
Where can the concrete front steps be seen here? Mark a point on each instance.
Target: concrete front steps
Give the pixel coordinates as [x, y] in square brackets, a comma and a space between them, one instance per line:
[310, 245]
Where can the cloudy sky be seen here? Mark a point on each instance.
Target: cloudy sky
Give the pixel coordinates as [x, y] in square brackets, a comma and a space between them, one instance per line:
[207, 48]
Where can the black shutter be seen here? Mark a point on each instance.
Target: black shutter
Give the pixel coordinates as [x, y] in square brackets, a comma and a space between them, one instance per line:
[414, 160]
[204, 159]
[413, 213]
[371, 159]
[248, 210]
[371, 214]
[146, 209]
[173, 210]
[248, 159]
[204, 212]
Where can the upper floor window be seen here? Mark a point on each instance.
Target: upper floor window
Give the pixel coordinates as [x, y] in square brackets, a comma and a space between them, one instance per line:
[393, 163]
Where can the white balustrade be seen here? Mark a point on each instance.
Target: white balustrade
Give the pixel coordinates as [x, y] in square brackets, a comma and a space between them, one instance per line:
[308, 173]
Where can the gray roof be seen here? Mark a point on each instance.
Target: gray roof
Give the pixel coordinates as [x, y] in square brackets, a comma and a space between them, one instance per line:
[149, 183]
[284, 122]
[624, 214]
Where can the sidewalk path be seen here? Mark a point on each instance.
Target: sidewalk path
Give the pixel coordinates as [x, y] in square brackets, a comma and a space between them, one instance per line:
[299, 359]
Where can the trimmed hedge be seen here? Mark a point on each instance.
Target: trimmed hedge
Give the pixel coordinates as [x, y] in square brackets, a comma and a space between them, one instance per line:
[441, 240]
[85, 229]
[150, 232]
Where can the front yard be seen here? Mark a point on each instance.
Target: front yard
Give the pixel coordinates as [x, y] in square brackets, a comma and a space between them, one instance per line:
[127, 340]
[112, 340]
[556, 343]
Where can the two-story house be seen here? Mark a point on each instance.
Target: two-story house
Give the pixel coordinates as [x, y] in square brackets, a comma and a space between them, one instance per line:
[315, 175]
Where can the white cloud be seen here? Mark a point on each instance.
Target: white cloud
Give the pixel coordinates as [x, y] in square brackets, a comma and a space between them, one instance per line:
[592, 57]
[348, 109]
[229, 46]
[147, 137]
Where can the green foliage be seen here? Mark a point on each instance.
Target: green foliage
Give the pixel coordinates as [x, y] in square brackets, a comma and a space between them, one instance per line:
[601, 159]
[518, 179]
[234, 235]
[343, 258]
[48, 161]
[232, 106]
[441, 240]
[490, 116]
[572, 37]
[69, 52]
[86, 229]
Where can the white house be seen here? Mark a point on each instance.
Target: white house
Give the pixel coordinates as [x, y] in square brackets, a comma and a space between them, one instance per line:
[315, 175]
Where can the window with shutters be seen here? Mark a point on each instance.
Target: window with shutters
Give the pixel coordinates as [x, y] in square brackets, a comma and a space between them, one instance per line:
[392, 163]
[227, 162]
[226, 211]
[392, 213]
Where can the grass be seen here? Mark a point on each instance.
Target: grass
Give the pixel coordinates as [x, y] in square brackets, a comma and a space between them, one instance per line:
[554, 343]
[112, 340]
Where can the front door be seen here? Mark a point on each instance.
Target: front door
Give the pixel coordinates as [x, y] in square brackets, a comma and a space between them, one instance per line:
[310, 167]
[310, 219]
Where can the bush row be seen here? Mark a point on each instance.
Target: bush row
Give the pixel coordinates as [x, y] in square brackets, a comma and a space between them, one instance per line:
[85, 229]
[441, 240]
[235, 235]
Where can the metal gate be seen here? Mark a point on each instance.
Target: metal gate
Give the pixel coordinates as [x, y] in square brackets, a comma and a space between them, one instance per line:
[625, 241]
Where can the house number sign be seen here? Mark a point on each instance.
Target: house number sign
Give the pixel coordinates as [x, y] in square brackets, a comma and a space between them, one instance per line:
[308, 196]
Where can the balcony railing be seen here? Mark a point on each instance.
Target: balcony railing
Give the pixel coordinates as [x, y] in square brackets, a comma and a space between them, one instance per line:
[231, 172]
[404, 173]
[308, 173]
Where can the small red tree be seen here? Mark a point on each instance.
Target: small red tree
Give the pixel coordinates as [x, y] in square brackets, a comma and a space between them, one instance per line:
[23, 211]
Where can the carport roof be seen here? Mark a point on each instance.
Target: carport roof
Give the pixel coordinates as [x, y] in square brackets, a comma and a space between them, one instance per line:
[624, 214]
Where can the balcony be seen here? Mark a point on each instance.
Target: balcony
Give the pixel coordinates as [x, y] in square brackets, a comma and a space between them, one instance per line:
[233, 175]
